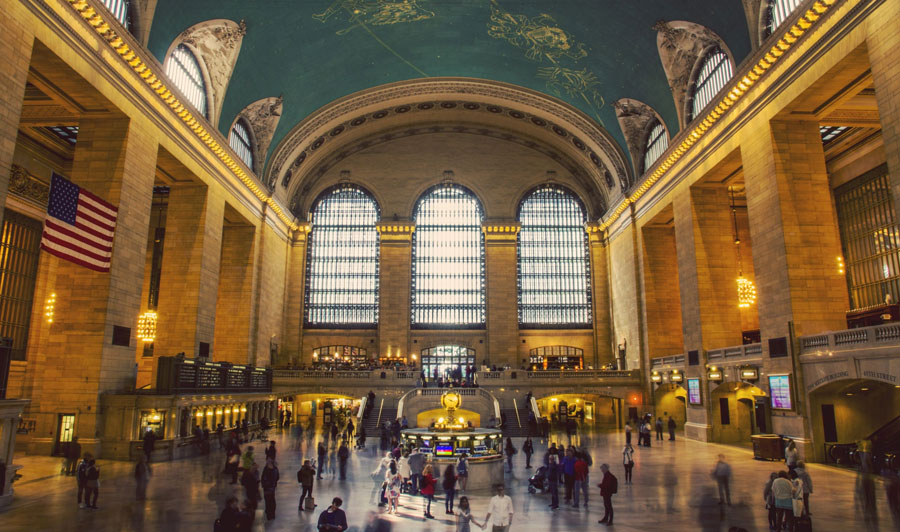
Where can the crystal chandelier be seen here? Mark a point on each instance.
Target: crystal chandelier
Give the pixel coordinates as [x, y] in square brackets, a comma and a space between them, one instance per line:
[746, 289]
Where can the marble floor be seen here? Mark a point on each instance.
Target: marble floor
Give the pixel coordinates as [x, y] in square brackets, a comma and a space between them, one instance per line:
[672, 491]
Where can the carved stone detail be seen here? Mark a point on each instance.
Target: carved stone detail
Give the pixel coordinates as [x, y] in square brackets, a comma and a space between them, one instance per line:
[27, 186]
[681, 45]
[217, 44]
[634, 118]
[262, 116]
[754, 11]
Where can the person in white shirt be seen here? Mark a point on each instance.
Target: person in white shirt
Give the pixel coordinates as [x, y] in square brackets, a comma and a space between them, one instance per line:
[500, 511]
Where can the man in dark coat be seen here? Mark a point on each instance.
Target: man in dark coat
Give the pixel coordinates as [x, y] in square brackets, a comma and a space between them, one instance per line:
[269, 481]
[608, 487]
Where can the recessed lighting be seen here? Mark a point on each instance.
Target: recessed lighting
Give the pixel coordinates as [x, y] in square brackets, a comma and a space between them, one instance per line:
[849, 394]
[864, 389]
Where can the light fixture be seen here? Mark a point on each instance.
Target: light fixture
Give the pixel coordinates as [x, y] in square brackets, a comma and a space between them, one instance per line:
[49, 307]
[746, 289]
[219, 412]
[227, 410]
[864, 389]
[146, 326]
[209, 412]
[199, 414]
[243, 409]
[656, 377]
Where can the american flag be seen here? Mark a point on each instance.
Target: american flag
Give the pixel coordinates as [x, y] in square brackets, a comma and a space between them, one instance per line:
[79, 225]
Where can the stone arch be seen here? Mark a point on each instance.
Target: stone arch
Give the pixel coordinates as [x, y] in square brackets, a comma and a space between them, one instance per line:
[636, 120]
[262, 118]
[216, 44]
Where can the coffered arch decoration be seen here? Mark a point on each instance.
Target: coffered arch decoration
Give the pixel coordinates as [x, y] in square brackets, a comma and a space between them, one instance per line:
[681, 46]
[453, 104]
[262, 116]
[636, 118]
[216, 44]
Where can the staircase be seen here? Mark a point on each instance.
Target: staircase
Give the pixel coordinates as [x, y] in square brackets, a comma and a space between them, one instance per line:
[383, 410]
[886, 442]
[516, 426]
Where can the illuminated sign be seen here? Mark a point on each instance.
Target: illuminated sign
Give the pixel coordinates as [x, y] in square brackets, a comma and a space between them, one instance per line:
[693, 389]
[443, 450]
[715, 375]
[656, 377]
[676, 376]
[780, 392]
[749, 374]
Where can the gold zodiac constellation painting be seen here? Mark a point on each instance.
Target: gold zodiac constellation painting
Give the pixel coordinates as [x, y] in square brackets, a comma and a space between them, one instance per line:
[575, 84]
[539, 36]
[374, 13]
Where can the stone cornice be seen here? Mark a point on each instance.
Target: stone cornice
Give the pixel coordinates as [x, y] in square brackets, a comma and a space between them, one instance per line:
[500, 232]
[395, 231]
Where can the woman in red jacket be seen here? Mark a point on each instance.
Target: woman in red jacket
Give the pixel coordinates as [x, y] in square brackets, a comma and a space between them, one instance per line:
[427, 490]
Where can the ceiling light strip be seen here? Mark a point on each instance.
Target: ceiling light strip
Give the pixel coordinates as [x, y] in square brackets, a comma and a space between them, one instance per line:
[787, 40]
[155, 82]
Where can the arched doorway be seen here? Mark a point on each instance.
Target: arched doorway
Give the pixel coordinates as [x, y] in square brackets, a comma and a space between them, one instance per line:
[443, 360]
[738, 411]
[671, 400]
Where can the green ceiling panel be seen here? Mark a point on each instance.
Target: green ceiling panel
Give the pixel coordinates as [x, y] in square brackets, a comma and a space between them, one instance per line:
[588, 53]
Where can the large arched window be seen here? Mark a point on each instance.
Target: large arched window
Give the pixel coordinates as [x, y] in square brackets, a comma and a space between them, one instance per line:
[448, 260]
[778, 12]
[240, 142]
[119, 9]
[184, 71]
[657, 142]
[554, 271]
[342, 260]
[714, 74]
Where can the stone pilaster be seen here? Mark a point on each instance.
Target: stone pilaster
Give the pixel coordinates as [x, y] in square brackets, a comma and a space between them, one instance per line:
[597, 248]
[395, 277]
[115, 159]
[883, 41]
[502, 310]
[295, 298]
[662, 301]
[190, 270]
[234, 302]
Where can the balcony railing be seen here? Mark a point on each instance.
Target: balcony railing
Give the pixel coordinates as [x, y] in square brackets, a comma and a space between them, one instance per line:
[673, 360]
[887, 335]
[737, 352]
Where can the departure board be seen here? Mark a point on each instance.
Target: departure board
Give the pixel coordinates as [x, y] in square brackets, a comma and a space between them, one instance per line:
[185, 375]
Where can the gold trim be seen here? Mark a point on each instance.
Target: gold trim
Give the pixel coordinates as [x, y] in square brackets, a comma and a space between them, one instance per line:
[787, 40]
[127, 54]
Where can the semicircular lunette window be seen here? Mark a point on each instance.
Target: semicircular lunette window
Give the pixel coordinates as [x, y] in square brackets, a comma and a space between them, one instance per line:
[554, 269]
[119, 9]
[448, 260]
[714, 75]
[657, 142]
[239, 139]
[184, 71]
[779, 11]
[342, 261]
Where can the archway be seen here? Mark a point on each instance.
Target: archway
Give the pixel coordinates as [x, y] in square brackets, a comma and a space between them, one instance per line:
[738, 411]
[671, 400]
[592, 411]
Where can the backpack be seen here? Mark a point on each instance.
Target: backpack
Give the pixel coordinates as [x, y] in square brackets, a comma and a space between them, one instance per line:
[615, 484]
[93, 473]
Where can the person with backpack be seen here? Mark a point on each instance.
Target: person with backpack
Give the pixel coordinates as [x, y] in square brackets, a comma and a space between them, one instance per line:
[343, 455]
[609, 486]
[92, 484]
[528, 449]
[462, 470]
[269, 481]
[141, 477]
[305, 477]
[81, 477]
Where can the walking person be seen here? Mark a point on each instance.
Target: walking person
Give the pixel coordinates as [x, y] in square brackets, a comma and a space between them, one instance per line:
[462, 470]
[628, 461]
[500, 511]
[659, 429]
[804, 477]
[627, 433]
[553, 473]
[427, 489]
[73, 453]
[149, 443]
[271, 452]
[722, 473]
[449, 486]
[417, 465]
[510, 452]
[528, 449]
[305, 476]
[81, 478]
[581, 479]
[233, 461]
[393, 480]
[672, 426]
[250, 481]
[333, 519]
[343, 455]
[791, 455]
[464, 516]
[321, 452]
[92, 484]
[568, 468]
[770, 500]
[269, 481]
[141, 477]
[609, 486]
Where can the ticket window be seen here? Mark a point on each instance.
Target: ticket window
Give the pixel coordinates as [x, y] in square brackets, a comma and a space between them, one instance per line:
[154, 420]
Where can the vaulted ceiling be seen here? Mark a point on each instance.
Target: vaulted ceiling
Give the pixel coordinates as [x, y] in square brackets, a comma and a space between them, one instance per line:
[588, 53]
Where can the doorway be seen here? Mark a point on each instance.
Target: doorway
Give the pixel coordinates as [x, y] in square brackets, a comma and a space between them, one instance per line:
[65, 430]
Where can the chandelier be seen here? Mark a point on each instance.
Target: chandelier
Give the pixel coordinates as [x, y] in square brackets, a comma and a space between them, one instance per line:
[146, 327]
[746, 289]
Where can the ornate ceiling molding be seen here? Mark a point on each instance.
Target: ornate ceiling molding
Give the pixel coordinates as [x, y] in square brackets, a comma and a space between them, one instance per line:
[496, 101]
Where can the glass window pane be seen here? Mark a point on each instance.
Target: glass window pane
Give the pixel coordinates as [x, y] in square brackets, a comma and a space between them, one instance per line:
[714, 75]
[184, 71]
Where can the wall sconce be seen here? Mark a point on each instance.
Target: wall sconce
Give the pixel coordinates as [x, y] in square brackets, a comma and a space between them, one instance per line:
[146, 326]
[676, 376]
[199, 414]
[243, 409]
[749, 374]
[656, 377]
[219, 412]
[840, 265]
[49, 307]
[715, 374]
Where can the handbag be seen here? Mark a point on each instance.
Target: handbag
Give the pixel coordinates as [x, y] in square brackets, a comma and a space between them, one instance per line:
[798, 507]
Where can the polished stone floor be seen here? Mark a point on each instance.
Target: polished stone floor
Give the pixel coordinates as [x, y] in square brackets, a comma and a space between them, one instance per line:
[672, 491]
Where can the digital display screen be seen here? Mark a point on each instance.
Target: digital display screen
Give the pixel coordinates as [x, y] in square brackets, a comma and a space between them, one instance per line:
[443, 449]
[480, 449]
[780, 392]
[693, 390]
[425, 450]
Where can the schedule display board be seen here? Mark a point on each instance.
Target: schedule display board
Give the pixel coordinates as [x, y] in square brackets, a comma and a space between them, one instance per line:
[693, 389]
[780, 392]
[186, 375]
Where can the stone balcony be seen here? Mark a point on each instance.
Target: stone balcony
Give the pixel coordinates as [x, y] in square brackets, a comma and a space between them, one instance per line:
[877, 340]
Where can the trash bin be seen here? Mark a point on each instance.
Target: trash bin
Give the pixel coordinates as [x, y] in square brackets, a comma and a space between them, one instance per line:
[768, 447]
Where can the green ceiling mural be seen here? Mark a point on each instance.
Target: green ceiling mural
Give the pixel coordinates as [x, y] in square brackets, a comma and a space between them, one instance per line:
[588, 53]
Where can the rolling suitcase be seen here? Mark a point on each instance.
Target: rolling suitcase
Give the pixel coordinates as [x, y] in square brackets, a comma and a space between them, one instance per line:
[309, 504]
[803, 524]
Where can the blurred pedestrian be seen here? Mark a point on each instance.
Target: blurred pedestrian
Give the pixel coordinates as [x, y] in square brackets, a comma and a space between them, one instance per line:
[343, 455]
[427, 489]
[581, 477]
[804, 477]
[722, 473]
[305, 476]
[449, 485]
[269, 481]
[791, 455]
[553, 473]
[141, 477]
[528, 449]
[659, 429]
[462, 470]
[92, 484]
[393, 481]
[73, 453]
[464, 516]
[769, 497]
[568, 468]
[250, 482]
[628, 461]
[672, 426]
[510, 452]
[782, 491]
[609, 486]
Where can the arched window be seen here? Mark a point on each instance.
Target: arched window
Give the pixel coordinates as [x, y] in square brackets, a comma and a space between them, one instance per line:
[554, 272]
[448, 260]
[779, 11]
[119, 9]
[184, 71]
[342, 260]
[240, 142]
[657, 142]
[714, 75]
